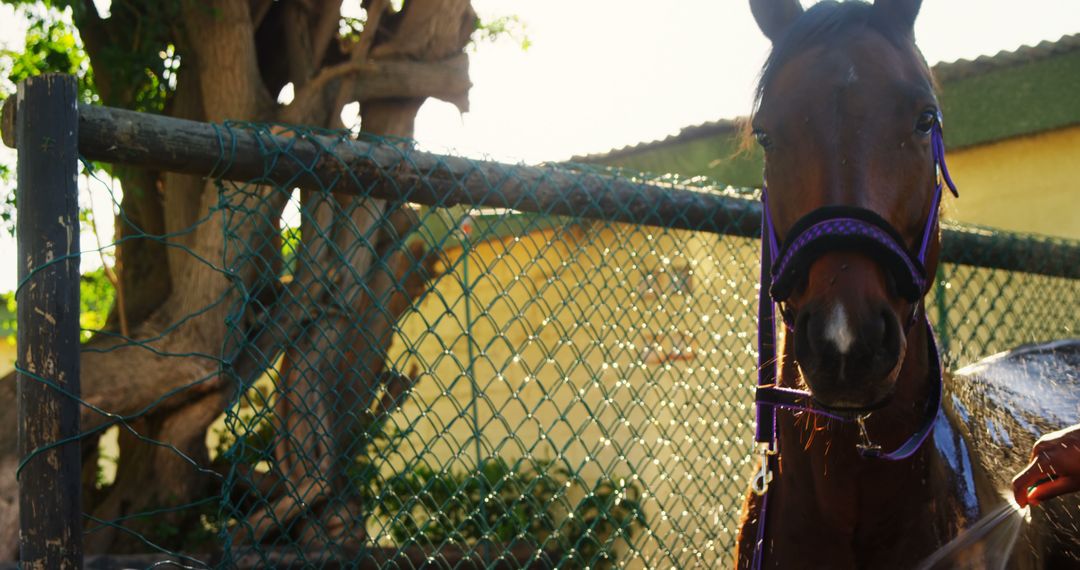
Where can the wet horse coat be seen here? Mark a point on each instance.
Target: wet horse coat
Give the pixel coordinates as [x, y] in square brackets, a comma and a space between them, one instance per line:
[994, 412]
[845, 116]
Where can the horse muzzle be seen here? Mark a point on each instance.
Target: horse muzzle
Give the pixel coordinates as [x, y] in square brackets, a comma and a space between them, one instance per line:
[848, 349]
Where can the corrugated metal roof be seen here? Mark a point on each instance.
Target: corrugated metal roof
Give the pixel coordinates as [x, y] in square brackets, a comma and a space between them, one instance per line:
[709, 129]
[959, 69]
[944, 72]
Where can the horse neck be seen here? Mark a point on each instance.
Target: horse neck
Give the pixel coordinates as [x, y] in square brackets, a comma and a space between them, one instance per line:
[822, 453]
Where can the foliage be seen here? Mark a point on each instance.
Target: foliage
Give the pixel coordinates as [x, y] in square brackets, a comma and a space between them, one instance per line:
[487, 30]
[290, 244]
[379, 441]
[506, 503]
[7, 315]
[52, 45]
[349, 28]
[140, 62]
[96, 297]
[535, 502]
[7, 208]
[138, 59]
[201, 537]
[251, 439]
[498, 27]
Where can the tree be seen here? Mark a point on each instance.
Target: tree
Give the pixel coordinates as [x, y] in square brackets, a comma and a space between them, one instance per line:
[219, 60]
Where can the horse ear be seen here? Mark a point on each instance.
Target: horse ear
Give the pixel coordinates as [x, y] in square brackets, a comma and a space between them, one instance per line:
[899, 13]
[774, 16]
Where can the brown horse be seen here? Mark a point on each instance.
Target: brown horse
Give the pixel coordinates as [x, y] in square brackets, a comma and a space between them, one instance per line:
[846, 107]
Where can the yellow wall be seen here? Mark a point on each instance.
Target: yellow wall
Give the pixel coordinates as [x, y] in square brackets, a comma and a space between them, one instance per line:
[565, 369]
[7, 354]
[1026, 184]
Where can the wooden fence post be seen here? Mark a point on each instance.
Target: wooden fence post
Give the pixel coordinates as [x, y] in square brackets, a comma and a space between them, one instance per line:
[50, 509]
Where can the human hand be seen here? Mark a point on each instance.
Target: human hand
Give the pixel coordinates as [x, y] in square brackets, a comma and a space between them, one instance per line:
[1054, 468]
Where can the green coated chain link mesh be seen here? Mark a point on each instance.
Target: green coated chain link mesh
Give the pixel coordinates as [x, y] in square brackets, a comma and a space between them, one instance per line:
[468, 386]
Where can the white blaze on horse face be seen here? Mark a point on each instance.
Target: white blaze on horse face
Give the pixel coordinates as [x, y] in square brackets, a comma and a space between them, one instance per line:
[852, 77]
[837, 330]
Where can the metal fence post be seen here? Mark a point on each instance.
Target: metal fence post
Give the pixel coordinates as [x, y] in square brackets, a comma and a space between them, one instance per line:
[50, 509]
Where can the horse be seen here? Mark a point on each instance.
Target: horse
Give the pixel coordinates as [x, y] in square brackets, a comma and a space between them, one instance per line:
[859, 441]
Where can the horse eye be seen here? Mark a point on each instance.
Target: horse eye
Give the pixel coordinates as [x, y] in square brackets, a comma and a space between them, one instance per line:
[763, 139]
[926, 122]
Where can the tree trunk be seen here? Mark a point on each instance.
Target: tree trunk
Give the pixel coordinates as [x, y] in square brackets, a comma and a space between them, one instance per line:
[317, 435]
[177, 297]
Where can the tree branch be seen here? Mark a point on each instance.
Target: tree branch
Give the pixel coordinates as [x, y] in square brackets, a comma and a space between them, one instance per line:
[375, 11]
[95, 34]
[324, 29]
[259, 10]
[423, 31]
[328, 74]
[222, 39]
[297, 39]
[359, 52]
[447, 80]
[428, 30]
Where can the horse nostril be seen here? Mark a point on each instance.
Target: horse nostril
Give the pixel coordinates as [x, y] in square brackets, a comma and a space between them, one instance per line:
[890, 284]
[889, 331]
[800, 285]
[806, 338]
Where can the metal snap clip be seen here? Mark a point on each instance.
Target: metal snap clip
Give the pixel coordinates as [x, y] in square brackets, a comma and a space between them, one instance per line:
[867, 448]
[760, 484]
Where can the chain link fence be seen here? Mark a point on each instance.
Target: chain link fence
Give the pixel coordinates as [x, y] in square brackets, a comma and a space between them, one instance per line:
[433, 361]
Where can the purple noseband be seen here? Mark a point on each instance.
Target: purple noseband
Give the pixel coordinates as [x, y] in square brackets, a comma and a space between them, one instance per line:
[844, 227]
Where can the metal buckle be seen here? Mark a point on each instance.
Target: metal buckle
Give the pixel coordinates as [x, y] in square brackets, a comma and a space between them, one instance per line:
[760, 484]
[867, 448]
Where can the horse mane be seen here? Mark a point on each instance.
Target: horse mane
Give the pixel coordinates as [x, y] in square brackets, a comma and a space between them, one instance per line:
[826, 23]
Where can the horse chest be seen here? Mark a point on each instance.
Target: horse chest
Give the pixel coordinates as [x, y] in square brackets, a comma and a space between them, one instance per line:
[828, 511]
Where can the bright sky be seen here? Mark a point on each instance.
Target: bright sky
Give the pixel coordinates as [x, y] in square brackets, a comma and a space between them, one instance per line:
[602, 74]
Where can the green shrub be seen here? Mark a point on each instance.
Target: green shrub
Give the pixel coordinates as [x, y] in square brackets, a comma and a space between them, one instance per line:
[536, 503]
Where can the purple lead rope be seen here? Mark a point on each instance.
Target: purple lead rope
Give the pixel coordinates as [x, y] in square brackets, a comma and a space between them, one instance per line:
[766, 326]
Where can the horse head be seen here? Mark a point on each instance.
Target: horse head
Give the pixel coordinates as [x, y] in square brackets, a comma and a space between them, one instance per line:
[845, 114]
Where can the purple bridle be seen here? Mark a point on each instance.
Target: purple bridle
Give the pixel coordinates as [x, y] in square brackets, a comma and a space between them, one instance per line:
[822, 230]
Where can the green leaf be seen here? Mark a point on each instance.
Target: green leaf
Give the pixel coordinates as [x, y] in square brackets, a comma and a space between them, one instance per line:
[499, 28]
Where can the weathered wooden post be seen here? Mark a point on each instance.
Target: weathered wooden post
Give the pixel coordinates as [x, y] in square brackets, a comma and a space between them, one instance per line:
[50, 509]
